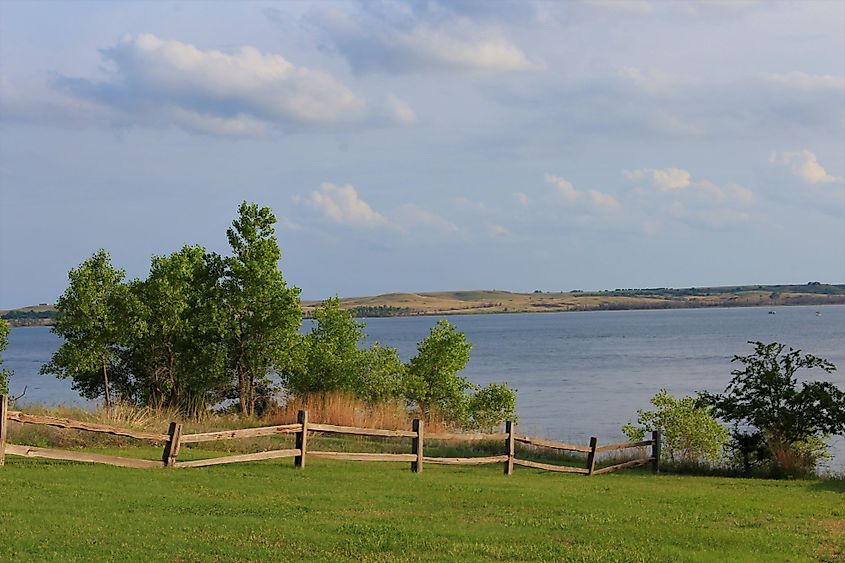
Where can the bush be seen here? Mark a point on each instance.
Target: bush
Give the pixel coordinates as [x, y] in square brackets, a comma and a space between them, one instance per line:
[778, 420]
[688, 430]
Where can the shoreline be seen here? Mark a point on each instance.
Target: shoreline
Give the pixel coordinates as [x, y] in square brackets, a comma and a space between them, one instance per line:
[469, 311]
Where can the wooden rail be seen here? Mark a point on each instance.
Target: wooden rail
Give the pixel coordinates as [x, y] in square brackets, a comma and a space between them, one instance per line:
[23, 418]
[174, 439]
[242, 433]
[552, 444]
[31, 451]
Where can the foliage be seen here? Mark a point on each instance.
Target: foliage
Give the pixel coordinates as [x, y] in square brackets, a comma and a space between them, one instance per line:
[768, 407]
[432, 379]
[95, 323]
[689, 433]
[490, 406]
[5, 374]
[178, 360]
[333, 358]
[262, 314]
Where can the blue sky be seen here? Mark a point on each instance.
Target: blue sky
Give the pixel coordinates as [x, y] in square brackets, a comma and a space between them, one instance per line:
[421, 146]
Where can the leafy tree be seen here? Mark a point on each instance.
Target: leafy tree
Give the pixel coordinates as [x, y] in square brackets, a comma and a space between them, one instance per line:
[334, 359]
[768, 407]
[383, 374]
[688, 430]
[178, 360]
[490, 406]
[432, 377]
[95, 323]
[263, 315]
[5, 374]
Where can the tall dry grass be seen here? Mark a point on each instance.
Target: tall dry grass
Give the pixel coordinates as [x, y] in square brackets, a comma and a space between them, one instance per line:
[345, 410]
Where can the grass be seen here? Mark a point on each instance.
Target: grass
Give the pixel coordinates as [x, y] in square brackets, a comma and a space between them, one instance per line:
[371, 511]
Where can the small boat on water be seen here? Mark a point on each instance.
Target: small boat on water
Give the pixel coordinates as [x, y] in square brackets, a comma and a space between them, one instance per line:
[818, 313]
[772, 312]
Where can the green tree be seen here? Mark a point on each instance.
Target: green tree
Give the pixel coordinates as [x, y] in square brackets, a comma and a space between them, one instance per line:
[179, 359]
[432, 380]
[490, 406]
[263, 315]
[688, 430]
[769, 406]
[95, 322]
[334, 359]
[5, 374]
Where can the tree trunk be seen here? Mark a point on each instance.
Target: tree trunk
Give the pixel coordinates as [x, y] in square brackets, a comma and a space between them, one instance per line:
[106, 384]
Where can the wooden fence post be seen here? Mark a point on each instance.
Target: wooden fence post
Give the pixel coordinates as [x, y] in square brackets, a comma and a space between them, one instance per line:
[509, 447]
[655, 452]
[301, 439]
[4, 408]
[417, 445]
[591, 457]
[173, 445]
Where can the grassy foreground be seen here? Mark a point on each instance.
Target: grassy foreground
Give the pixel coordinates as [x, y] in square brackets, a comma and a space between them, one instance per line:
[381, 511]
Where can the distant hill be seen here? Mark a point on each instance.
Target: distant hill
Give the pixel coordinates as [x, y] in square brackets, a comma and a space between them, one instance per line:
[494, 301]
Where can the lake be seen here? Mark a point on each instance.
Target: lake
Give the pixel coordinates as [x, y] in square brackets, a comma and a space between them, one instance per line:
[578, 374]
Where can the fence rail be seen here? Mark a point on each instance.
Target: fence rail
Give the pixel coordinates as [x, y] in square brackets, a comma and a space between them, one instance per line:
[174, 439]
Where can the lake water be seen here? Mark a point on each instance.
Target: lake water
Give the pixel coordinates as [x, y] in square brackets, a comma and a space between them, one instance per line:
[577, 374]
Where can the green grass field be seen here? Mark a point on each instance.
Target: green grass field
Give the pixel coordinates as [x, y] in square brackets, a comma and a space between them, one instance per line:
[381, 511]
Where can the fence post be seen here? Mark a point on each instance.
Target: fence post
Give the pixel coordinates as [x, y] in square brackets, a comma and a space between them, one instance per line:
[509, 447]
[591, 457]
[173, 445]
[655, 451]
[417, 445]
[301, 439]
[4, 409]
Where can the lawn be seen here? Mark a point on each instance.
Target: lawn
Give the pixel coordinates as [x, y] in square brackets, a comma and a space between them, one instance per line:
[381, 511]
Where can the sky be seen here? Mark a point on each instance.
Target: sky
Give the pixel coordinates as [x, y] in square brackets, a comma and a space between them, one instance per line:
[425, 146]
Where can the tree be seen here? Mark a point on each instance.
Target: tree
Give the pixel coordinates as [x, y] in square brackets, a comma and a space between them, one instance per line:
[334, 359]
[689, 433]
[432, 376]
[5, 374]
[490, 406]
[768, 407]
[263, 315]
[178, 360]
[94, 321]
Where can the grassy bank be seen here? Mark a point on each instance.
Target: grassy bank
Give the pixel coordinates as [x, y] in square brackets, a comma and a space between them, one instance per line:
[353, 511]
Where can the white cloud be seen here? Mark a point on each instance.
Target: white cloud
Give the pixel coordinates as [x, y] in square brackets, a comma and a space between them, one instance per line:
[341, 204]
[563, 188]
[498, 232]
[665, 179]
[387, 38]
[804, 165]
[400, 111]
[654, 81]
[409, 216]
[566, 192]
[632, 6]
[804, 81]
[674, 193]
[158, 82]
[522, 198]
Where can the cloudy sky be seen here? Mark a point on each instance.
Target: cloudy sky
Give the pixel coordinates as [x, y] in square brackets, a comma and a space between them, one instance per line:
[412, 146]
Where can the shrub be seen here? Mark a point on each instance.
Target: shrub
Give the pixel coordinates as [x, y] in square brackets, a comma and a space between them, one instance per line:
[688, 430]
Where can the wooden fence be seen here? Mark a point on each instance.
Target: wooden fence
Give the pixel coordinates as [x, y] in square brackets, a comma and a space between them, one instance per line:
[174, 439]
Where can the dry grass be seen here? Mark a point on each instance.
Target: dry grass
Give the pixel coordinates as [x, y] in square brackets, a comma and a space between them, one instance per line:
[345, 410]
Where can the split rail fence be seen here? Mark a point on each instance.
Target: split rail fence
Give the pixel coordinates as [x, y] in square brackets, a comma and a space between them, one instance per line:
[174, 439]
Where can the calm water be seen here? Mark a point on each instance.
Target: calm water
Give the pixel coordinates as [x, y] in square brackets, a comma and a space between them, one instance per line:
[577, 374]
